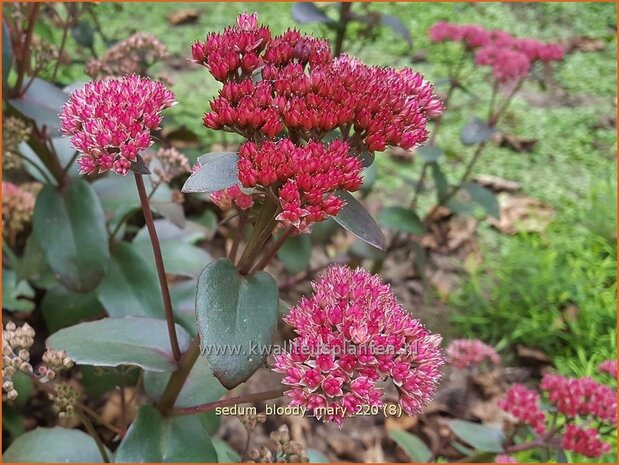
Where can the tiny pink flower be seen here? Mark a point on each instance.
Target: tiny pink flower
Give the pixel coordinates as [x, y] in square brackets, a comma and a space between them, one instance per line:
[610, 367]
[524, 404]
[463, 353]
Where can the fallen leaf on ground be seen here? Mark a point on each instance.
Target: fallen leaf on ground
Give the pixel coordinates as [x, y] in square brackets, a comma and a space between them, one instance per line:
[496, 184]
[584, 44]
[521, 214]
[531, 355]
[179, 17]
[515, 143]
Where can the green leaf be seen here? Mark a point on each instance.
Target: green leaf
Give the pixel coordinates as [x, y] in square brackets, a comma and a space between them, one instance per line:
[396, 25]
[439, 181]
[70, 228]
[12, 421]
[322, 232]
[120, 341]
[219, 171]
[561, 457]
[32, 265]
[481, 437]
[42, 102]
[429, 153]
[183, 294]
[484, 197]
[361, 249]
[45, 445]
[168, 231]
[201, 386]
[315, 456]
[62, 307]
[235, 312]
[370, 174]
[296, 253]
[84, 34]
[7, 53]
[308, 12]
[16, 297]
[24, 385]
[354, 218]
[225, 453]
[179, 258]
[401, 219]
[35, 167]
[152, 438]
[414, 447]
[131, 286]
[476, 132]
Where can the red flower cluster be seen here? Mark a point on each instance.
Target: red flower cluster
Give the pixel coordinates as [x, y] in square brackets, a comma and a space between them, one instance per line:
[581, 397]
[225, 198]
[303, 177]
[110, 121]
[610, 367]
[510, 58]
[584, 441]
[523, 403]
[353, 334]
[463, 353]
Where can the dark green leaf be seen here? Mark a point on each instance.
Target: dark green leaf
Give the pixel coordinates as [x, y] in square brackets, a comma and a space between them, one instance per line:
[34, 166]
[7, 53]
[62, 307]
[462, 449]
[414, 447]
[183, 294]
[484, 197]
[561, 457]
[42, 102]
[481, 437]
[84, 34]
[361, 249]
[401, 219]
[13, 422]
[235, 311]
[354, 218]
[315, 456]
[439, 181]
[201, 386]
[323, 231]
[396, 25]
[70, 228]
[476, 132]
[45, 445]
[296, 252]
[369, 179]
[120, 341]
[16, 297]
[24, 385]
[130, 287]
[32, 265]
[225, 453]
[152, 438]
[308, 12]
[219, 171]
[179, 258]
[429, 153]
[140, 167]
[168, 231]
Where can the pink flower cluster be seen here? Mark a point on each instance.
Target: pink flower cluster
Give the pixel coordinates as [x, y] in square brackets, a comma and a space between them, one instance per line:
[463, 353]
[610, 367]
[226, 198]
[505, 458]
[305, 177]
[510, 58]
[353, 334]
[110, 121]
[584, 441]
[290, 88]
[523, 403]
[581, 397]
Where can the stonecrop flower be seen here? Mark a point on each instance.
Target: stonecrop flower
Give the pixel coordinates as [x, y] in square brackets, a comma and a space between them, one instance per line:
[584, 441]
[110, 121]
[610, 367]
[352, 334]
[17, 207]
[505, 458]
[226, 198]
[581, 397]
[510, 58]
[463, 353]
[524, 404]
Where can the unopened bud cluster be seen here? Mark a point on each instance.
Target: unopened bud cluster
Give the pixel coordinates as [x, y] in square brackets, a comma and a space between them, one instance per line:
[64, 400]
[14, 132]
[134, 55]
[16, 344]
[53, 362]
[166, 164]
[17, 208]
[280, 449]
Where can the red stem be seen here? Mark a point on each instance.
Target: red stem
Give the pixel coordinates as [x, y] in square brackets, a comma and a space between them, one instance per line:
[260, 396]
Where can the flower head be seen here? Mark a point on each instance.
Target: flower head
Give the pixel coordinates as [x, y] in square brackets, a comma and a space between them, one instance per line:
[505, 458]
[584, 441]
[17, 207]
[610, 367]
[507, 65]
[353, 334]
[110, 121]
[463, 353]
[226, 198]
[523, 403]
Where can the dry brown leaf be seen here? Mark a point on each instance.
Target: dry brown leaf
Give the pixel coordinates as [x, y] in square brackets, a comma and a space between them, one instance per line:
[496, 184]
[404, 422]
[521, 214]
[179, 17]
[585, 44]
[400, 154]
[530, 355]
[515, 143]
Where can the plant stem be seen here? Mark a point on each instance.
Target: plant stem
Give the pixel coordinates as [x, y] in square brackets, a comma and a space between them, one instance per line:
[269, 254]
[63, 42]
[239, 235]
[163, 282]
[178, 378]
[263, 227]
[24, 63]
[260, 396]
[494, 119]
[345, 8]
[93, 432]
